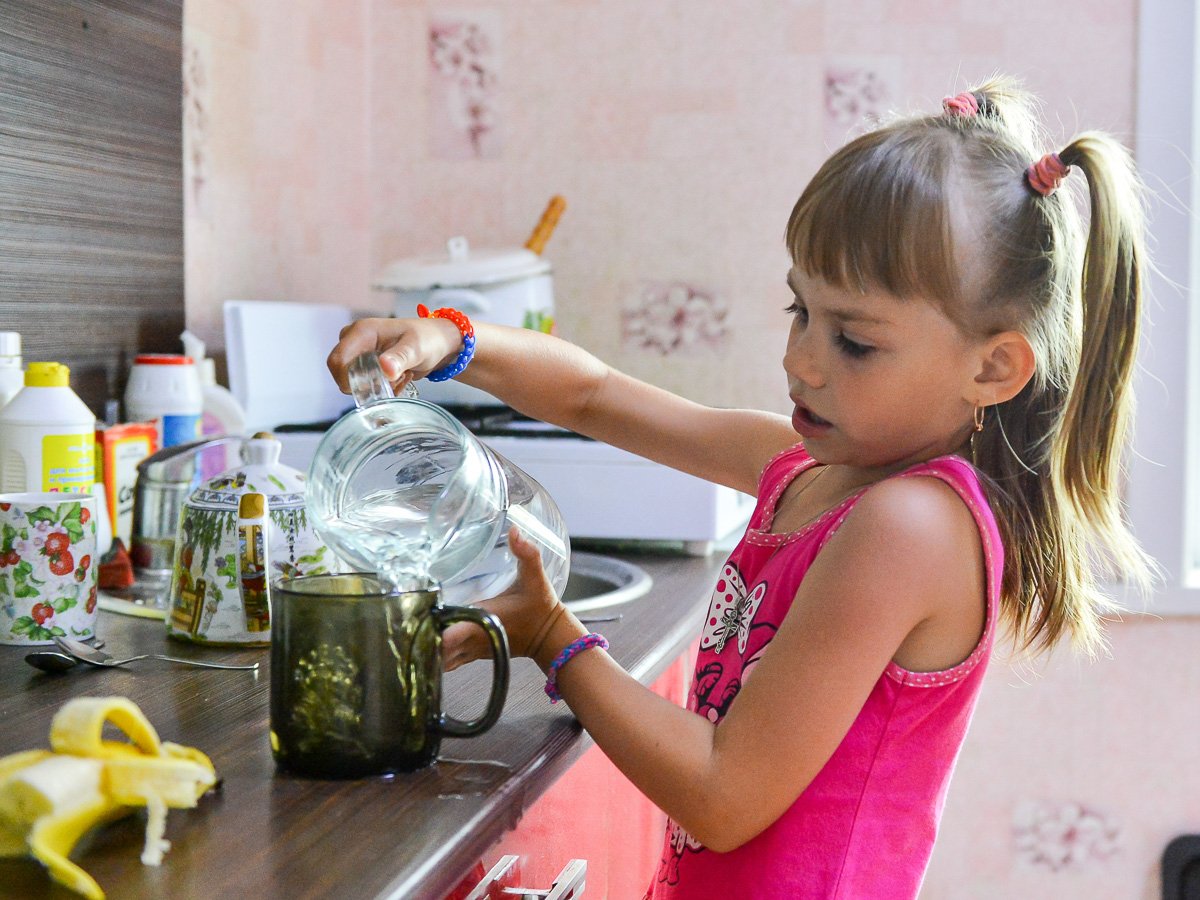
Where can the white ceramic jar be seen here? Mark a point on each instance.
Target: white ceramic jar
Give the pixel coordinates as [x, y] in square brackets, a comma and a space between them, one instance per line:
[209, 580]
[504, 287]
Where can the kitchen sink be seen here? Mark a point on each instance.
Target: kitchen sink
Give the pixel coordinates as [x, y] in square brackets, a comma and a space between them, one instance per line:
[597, 581]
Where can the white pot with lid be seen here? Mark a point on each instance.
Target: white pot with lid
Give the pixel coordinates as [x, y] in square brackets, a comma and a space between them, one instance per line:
[505, 287]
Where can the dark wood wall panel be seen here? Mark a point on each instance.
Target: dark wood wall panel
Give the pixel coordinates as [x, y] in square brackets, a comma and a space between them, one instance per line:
[91, 196]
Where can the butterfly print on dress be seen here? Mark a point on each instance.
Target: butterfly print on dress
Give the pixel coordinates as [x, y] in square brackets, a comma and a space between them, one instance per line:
[730, 611]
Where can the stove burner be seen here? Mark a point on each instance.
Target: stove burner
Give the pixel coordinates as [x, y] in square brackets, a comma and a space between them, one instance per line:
[504, 421]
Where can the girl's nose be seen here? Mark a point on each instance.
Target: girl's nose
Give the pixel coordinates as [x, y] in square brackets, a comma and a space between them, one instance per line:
[800, 362]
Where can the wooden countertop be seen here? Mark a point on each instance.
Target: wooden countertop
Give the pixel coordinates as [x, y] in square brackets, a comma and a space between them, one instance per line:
[276, 836]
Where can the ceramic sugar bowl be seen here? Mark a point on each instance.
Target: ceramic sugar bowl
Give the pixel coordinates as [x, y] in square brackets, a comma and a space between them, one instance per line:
[237, 532]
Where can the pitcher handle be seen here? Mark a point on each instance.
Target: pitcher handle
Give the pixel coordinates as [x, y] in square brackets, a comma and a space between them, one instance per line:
[448, 615]
[369, 385]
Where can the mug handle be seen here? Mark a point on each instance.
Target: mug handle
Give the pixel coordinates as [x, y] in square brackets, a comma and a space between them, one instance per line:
[448, 615]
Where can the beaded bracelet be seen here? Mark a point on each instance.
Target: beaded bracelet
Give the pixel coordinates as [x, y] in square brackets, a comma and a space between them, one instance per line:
[463, 324]
[574, 648]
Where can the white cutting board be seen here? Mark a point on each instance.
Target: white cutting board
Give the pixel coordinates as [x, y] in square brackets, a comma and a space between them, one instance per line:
[276, 353]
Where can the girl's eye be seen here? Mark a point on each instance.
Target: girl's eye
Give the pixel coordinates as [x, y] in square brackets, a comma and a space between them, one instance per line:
[853, 348]
[796, 308]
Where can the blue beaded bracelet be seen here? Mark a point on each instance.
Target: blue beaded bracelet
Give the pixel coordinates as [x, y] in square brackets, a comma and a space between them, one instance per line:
[445, 373]
[463, 324]
[574, 648]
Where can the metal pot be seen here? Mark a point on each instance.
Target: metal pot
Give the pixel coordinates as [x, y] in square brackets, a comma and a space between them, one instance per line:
[505, 287]
[164, 481]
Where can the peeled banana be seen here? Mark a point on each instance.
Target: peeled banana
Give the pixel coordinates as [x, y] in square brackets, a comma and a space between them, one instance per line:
[49, 800]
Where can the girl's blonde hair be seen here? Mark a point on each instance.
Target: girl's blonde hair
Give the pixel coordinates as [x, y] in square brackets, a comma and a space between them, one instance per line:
[938, 207]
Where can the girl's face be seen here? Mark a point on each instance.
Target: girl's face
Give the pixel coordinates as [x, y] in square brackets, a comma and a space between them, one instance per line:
[877, 382]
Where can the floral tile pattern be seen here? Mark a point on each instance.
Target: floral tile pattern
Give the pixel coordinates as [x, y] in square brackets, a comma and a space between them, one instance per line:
[1065, 835]
[856, 97]
[668, 316]
[463, 58]
[195, 131]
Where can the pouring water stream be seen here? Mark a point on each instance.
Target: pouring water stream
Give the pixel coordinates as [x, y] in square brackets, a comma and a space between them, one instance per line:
[403, 565]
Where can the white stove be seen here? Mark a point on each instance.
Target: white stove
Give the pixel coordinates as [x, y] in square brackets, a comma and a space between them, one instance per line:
[608, 494]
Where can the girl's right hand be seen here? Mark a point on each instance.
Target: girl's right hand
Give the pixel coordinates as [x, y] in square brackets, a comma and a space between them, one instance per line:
[408, 348]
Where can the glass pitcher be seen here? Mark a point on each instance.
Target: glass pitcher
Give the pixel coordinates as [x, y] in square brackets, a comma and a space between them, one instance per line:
[400, 488]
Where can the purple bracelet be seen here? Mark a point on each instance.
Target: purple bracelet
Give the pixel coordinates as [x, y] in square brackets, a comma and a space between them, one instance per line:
[574, 648]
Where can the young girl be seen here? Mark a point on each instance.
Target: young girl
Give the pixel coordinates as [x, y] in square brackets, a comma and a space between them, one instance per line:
[959, 361]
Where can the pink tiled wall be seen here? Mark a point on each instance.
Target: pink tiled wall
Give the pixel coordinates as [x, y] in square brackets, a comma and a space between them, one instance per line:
[325, 138]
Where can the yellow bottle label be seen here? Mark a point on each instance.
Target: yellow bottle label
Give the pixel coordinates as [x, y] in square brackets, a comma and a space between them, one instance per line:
[68, 462]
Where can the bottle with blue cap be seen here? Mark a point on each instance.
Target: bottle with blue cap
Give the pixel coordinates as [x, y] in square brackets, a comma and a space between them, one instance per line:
[47, 435]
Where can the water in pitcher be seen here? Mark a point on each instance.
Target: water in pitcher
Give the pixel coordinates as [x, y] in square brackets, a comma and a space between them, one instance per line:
[398, 487]
[395, 536]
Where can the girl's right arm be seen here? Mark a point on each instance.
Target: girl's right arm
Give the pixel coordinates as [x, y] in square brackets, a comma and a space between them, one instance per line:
[558, 382]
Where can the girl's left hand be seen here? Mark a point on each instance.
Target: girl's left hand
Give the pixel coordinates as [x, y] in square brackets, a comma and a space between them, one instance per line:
[528, 611]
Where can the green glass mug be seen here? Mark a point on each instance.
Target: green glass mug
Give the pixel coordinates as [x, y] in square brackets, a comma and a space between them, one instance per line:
[356, 675]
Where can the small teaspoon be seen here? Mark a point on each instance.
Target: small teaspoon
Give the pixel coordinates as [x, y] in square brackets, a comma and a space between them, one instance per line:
[95, 657]
[51, 661]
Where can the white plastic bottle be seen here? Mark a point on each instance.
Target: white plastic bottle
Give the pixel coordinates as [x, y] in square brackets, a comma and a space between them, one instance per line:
[12, 379]
[222, 413]
[47, 435]
[166, 388]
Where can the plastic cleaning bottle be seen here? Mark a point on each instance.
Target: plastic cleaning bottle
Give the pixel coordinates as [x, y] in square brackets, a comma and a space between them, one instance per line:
[47, 435]
[165, 388]
[222, 412]
[12, 378]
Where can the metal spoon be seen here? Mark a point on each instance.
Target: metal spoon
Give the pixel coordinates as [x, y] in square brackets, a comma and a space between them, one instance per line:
[51, 661]
[92, 656]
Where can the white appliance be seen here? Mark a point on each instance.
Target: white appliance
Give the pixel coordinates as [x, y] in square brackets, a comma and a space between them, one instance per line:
[608, 494]
[275, 352]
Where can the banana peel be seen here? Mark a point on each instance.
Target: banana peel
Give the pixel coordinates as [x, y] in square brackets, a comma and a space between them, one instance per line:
[51, 799]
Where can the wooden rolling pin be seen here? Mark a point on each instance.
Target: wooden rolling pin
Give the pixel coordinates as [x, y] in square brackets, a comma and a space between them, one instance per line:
[545, 227]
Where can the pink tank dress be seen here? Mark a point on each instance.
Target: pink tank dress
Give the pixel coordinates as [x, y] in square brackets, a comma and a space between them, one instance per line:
[865, 826]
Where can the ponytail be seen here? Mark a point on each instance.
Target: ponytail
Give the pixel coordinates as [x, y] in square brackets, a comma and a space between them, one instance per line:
[1089, 451]
[1057, 458]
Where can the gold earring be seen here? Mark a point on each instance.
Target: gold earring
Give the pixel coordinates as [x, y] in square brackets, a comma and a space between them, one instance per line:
[978, 417]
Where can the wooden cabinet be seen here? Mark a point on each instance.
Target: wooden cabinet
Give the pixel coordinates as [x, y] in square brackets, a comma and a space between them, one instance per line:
[91, 249]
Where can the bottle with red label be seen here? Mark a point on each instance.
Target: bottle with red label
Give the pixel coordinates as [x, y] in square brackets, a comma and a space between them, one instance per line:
[165, 388]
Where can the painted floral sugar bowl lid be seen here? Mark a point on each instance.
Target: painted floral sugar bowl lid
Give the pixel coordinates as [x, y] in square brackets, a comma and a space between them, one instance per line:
[260, 472]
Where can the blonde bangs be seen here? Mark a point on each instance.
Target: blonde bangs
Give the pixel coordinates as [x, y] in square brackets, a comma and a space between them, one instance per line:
[875, 216]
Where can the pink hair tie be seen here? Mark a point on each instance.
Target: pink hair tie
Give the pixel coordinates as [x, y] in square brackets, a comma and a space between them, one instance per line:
[1047, 173]
[963, 104]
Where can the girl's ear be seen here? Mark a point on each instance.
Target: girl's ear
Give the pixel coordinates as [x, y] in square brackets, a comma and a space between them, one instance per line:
[1006, 365]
